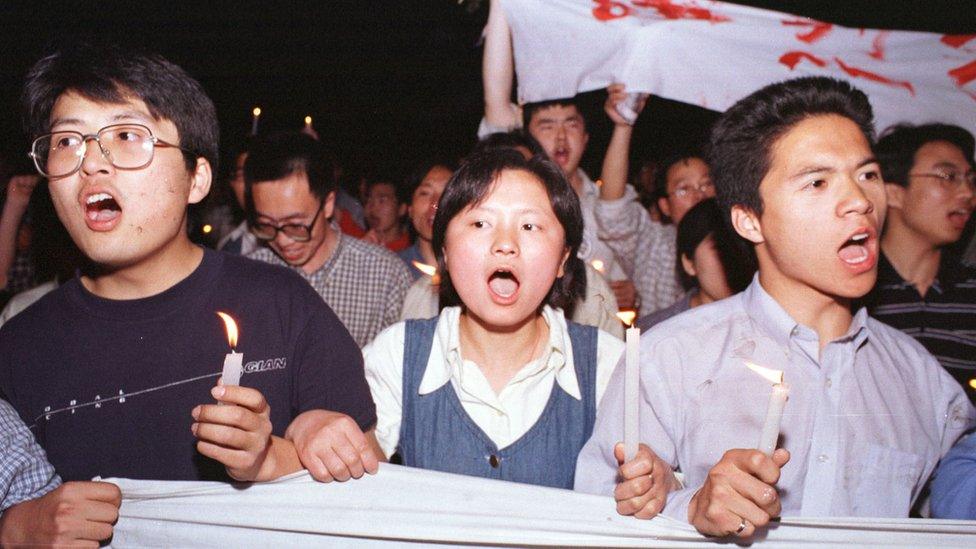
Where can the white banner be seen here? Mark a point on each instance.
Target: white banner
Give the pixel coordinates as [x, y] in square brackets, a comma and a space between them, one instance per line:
[714, 53]
[412, 506]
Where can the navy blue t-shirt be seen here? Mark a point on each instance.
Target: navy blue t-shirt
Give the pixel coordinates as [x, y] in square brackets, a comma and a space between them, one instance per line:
[107, 386]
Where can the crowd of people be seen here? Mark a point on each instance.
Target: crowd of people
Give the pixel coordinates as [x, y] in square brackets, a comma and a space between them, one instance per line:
[461, 316]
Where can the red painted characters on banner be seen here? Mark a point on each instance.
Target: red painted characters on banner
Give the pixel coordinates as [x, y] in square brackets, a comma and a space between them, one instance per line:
[818, 29]
[957, 40]
[608, 10]
[792, 58]
[964, 74]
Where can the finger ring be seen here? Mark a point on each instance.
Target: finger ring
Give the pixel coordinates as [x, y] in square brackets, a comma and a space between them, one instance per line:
[742, 526]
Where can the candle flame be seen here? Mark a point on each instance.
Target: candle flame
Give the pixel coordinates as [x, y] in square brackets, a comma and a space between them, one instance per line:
[428, 270]
[774, 376]
[627, 317]
[231, 329]
[598, 265]
[207, 229]
[256, 111]
[308, 120]
[972, 383]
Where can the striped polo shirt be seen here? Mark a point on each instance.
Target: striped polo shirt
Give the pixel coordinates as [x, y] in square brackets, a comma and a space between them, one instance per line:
[944, 320]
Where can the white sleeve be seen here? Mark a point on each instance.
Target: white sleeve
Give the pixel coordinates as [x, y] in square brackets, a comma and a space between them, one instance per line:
[383, 359]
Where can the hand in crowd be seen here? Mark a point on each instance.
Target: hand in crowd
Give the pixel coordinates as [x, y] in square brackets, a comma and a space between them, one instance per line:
[644, 483]
[79, 514]
[625, 292]
[332, 447]
[739, 494]
[239, 436]
[617, 95]
[19, 190]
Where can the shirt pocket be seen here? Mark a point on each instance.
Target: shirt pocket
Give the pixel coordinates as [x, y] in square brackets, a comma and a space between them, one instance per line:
[885, 482]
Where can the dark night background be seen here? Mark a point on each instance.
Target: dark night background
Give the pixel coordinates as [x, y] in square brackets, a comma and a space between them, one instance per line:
[386, 81]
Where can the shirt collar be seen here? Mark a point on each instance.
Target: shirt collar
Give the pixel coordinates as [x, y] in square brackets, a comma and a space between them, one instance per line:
[779, 325]
[588, 186]
[445, 353]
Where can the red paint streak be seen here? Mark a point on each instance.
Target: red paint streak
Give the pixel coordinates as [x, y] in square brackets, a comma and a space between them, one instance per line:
[818, 29]
[956, 40]
[878, 45]
[964, 74]
[608, 10]
[792, 58]
[669, 10]
[874, 77]
[972, 94]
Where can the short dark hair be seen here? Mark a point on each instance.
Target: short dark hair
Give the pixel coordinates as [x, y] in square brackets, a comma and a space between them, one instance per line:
[740, 148]
[661, 177]
[898, 144]
[471, 184]
[530, 109]
[278, 155]
[420, 171]
[382, 178]
[109, 74]
[508, 140]
[702, 220]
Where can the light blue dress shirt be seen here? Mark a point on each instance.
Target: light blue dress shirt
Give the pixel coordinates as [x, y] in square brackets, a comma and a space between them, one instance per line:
[24, 470]
[867, 419]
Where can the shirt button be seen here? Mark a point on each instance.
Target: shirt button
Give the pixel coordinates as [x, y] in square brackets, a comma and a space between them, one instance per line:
[829, 383]
[795, 331]
[822, 458]
[494, 461]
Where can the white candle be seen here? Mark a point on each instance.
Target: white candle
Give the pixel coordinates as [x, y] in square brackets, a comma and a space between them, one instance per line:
[774, 416]
[233, 361]
[233, 366]
[254, 120]
[632, 393]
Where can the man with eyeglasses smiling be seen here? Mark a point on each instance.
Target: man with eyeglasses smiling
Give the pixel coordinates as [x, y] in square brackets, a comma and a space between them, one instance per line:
[116, 372]
[924, 289]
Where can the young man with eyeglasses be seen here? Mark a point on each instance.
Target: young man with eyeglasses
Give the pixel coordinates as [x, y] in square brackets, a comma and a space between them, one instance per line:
[116, 372]
[291, 189]
[922, 288]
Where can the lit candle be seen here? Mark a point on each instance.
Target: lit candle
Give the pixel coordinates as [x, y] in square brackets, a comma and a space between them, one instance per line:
[774, 411]
[308, 122]
[627, 316]
[598, 265]
[632, 393]
[233, 360]
[428, 270]
[254, 120]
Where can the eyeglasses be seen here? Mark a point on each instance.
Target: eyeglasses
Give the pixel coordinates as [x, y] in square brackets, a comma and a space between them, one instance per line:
[951, 180]
[295, 231]
[126, 146]
[704, 188]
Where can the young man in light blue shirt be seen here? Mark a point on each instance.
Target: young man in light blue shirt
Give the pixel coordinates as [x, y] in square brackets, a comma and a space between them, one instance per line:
[870, 412]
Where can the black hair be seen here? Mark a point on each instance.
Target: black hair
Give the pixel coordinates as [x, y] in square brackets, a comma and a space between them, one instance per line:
[471, 184]
[508, 140]
[738, 259]
[897, 147]
[110, 74]
[661, 177]
[278, 155]
[740, 148]
[531, 108]
[420, 171]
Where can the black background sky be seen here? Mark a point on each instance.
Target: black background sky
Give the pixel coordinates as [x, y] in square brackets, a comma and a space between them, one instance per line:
[386, 81]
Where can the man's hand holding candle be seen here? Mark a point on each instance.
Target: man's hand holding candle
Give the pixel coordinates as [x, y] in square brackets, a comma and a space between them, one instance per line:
[645, 481]
[240, 436]
[739, 494]
[332, 447]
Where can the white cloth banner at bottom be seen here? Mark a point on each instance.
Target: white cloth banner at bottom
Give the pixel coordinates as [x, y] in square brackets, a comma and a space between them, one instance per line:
[411, 506]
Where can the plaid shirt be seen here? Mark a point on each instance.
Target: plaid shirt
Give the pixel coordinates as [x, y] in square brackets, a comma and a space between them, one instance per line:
[647, 251]
[25, 473]
[364, 284]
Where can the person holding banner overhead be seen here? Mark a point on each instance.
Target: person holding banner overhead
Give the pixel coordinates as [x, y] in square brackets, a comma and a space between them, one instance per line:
[796, 176]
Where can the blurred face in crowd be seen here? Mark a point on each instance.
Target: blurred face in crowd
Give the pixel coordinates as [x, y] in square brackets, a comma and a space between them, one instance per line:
[706, 266]
[561, 131]
[290, 201]
[121, 217]
[932, 205]
[504, 254]
[423, 204]
[823, 208]
[237, 179]
[688, 183]
[383, 212]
